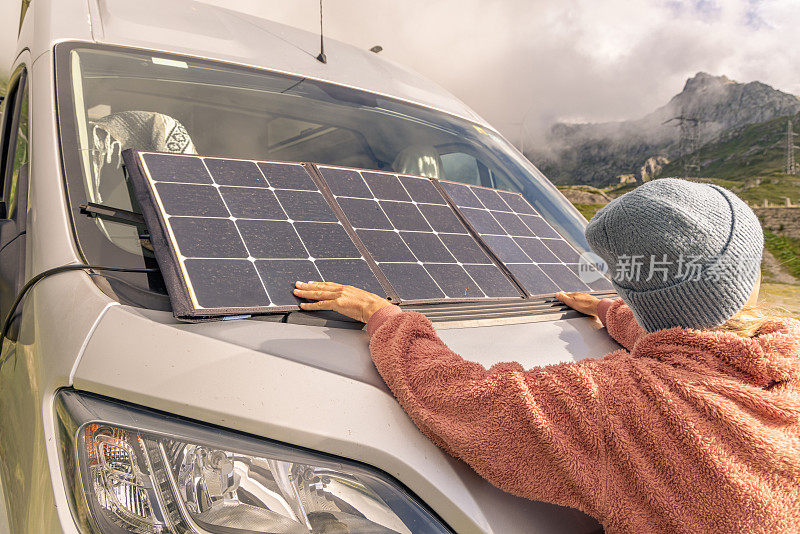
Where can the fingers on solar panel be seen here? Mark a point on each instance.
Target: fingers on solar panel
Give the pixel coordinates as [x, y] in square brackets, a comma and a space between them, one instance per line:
[414, 236]
[538, 257]
[245, 232]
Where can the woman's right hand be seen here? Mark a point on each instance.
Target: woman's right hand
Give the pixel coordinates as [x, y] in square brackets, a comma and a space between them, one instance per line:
[582, 302]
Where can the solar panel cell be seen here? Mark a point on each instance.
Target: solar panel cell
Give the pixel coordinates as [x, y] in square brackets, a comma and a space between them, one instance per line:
[563, 250]
[564, 277]
[534, 248]
[279, 277]
[454, 280]
[482, 221]
[345, 182]
[512, 224]
[539, 226]
[287, 176]
[350, 272]
[271, 239]
[411, 281]
[462, 195]
[490, 199]
[226, 283]
[326, 240]
[427, 247]
[305, 205]
[207, 238]
[464, 248]
[422, 190]
[601, 284]
[442, 218]
[363, 213]
[506, 249]
[197, 200]
[386, 245]
[533, 278]
[235, 172]
[517, 203]
[492, 281]
[169, 168]
[385, 186]
[252, 203]
[404, 216]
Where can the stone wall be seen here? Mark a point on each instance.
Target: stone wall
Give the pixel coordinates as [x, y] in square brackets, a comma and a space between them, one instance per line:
[785, 220]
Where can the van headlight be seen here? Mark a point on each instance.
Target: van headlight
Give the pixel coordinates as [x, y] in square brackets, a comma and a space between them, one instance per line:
[131, 470]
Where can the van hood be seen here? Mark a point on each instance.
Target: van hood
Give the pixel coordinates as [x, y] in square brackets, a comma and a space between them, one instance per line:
[316, 387]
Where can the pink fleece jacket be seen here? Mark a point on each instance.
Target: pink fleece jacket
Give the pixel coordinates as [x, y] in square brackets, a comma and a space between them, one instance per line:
[685, 431]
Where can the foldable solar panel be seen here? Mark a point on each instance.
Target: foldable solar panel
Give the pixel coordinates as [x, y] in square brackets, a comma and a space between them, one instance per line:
[536, 255]
[232, 236]
[415, 237]
[235, 234]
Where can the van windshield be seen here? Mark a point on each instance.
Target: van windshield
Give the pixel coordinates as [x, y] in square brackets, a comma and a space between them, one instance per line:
[111, 99]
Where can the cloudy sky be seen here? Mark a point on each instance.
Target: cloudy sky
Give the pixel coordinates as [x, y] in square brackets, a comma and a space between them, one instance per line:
[547, 60]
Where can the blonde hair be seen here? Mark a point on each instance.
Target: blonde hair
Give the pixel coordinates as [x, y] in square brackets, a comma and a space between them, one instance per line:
[748, 321]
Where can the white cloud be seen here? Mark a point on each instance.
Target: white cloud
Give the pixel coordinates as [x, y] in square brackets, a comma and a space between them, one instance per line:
[567, 60]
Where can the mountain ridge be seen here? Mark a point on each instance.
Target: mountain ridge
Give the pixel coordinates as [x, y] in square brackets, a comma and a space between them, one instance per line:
[598, 153]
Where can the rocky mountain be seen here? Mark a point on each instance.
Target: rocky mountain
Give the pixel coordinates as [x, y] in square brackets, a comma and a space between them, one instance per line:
[598, 153]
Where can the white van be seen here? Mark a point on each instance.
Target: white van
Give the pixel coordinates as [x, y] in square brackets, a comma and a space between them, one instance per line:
[116, 417]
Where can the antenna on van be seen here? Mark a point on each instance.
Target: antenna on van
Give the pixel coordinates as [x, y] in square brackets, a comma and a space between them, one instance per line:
[321, 57]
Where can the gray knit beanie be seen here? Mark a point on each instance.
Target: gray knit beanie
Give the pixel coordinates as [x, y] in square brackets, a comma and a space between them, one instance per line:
[679, 253]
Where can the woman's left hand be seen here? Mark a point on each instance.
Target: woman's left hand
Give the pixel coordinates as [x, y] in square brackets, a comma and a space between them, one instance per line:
[582, 302]
[347, 300]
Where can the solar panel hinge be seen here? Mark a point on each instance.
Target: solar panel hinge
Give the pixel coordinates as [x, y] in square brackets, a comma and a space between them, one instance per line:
[112, 214]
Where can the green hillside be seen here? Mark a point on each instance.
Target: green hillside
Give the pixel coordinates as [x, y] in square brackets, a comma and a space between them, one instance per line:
[746, 152]
[750, 161]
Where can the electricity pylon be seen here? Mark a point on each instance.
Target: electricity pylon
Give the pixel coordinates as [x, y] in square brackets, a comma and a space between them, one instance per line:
[688, 143]
[791, 167]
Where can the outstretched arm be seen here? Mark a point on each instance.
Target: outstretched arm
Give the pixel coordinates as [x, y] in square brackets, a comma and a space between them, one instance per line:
[536, 433]
[615, 315]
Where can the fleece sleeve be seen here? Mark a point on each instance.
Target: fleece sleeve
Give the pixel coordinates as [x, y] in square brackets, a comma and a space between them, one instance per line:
[620, 322]
[537, 433]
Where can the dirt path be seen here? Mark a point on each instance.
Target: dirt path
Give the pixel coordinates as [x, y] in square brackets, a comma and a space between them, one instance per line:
[775, 272]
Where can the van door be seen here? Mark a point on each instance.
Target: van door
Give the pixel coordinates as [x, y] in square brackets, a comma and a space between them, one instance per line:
[14, 164]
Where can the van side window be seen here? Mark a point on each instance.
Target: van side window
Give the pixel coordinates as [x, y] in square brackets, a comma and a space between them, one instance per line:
[19, 155]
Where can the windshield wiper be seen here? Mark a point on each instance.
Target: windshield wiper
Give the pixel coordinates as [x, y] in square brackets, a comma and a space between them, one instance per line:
[112, 214]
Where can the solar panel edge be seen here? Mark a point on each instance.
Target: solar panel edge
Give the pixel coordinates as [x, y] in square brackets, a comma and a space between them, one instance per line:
[167, 262]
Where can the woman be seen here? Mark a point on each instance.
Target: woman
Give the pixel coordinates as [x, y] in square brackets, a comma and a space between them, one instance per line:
[694, 426]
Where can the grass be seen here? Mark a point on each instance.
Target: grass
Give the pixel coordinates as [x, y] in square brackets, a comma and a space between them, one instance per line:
[742, 153]
[588, 210]
[783, 298]
[774, 188]
[786, 250]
